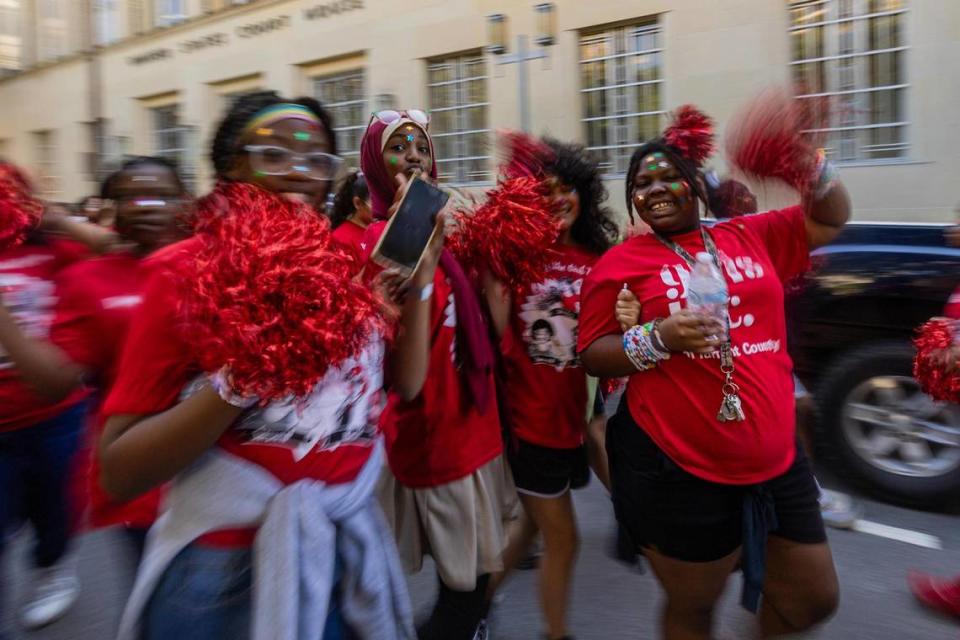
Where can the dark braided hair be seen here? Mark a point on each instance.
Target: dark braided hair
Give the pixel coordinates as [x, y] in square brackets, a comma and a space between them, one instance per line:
[106, 189]
[353, 186]
[594, 229]
[226, 142]
[686, 168]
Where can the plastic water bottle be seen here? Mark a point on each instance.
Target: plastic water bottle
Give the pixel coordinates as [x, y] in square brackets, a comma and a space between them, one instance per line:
[707, 290]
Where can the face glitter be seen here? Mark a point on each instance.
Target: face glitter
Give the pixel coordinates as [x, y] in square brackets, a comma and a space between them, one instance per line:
[663, 164]
[143, 179]
[658, 154]
[263, 131]
[259, 174]
[393, 161]
[651, 167]
[301, 135]
[650, 159]
[409, 138]
[675, 186]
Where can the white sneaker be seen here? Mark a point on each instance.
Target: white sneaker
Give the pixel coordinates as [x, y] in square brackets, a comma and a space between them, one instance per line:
[838, 509]
[55, 589]
[482, 632]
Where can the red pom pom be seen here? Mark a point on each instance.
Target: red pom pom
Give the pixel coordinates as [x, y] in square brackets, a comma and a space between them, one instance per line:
[936, 367]
[19, 210]
[510, 233]
[268, 297]
[523, 155]
[770, 138]
[691, 133]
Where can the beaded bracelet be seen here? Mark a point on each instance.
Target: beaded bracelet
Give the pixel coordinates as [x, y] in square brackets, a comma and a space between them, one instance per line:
[827, 175]
[639, 345]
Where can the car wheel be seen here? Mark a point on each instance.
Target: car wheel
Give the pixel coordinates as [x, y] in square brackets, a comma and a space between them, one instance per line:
[878, 429]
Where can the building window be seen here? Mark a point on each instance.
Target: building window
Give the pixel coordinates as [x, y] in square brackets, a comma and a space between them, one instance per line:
[172, 140]
[45, 162]
[11, 37]
[170, 12]
[106, 21]
[853, 52]
[458, 109]
[621, 72]
[344, 97]
[52, 30]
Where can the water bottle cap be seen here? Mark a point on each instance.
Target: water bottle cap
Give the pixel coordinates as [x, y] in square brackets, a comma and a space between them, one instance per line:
[704, 257]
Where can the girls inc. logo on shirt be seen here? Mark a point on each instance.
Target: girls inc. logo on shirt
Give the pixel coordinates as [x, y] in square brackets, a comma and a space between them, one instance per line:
[676, 278]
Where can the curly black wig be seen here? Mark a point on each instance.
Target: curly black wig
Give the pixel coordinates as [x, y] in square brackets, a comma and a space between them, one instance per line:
[353, 186]
[572, 164]
[686, 168]
[226, 142]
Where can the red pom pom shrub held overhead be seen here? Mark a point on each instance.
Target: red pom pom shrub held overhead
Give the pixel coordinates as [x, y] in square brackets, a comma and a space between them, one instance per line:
[935, 366]
[19, 210]
[691, 133]
[771, 139]
[267, 297]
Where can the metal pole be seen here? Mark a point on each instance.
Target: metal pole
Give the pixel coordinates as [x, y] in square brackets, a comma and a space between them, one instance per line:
[523, 83]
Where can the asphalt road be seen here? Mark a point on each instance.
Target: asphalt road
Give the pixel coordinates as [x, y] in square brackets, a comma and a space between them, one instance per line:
[609, 600]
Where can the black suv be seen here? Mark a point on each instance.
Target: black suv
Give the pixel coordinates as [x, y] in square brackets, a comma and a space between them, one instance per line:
[851, 323]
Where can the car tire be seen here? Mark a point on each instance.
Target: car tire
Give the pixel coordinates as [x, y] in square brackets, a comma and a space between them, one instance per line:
[835, 393]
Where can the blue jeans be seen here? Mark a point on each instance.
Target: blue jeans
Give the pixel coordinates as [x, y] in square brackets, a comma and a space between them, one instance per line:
[35, 472]
[206, 593]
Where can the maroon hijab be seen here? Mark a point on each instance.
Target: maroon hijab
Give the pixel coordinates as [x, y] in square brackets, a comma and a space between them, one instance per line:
[473, 342]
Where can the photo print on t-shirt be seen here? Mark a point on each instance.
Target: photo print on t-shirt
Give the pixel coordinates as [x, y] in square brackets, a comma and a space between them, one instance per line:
[344, 408]
[31, 303]
[549, 314]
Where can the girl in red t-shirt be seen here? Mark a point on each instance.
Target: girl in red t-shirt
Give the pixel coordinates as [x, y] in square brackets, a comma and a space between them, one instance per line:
[445, 489]
[351, 214]
[271, 523]
[544, 384]
[700, 492]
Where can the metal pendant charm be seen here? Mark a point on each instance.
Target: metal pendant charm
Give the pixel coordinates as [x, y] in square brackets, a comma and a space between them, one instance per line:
[731, 410]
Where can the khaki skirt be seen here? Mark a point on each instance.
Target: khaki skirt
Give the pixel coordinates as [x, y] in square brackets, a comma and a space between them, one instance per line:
[459, 524]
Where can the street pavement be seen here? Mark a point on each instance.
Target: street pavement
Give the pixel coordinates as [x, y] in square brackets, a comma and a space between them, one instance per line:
[610, 601]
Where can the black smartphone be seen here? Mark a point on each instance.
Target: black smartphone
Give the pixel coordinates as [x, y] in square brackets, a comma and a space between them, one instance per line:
[409, 230]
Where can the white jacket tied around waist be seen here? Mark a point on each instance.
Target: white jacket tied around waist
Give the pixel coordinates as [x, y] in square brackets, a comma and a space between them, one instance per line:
[302, 527]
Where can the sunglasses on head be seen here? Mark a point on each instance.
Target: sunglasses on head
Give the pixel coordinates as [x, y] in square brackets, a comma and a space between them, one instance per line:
[389, 116]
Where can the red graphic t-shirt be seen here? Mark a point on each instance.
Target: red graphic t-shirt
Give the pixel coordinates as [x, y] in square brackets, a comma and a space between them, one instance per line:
[97, 300]
[439, 436]
[349, 236]
[328, 437]
[545, 385]
[28, 286]
[677, 402]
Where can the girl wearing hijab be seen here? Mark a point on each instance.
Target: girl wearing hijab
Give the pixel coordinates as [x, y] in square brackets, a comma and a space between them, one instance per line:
[443, 493]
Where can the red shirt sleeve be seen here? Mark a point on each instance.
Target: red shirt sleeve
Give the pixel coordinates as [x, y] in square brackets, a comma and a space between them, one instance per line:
[68, 251]
[370, 238]
[74, 328]
[953, 305]
[784, 234]
[598, 301]
[155, 363]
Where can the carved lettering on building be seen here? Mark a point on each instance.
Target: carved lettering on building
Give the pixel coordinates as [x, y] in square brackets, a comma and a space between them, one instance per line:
[328, 9]
[151, 56]
[211, 40]
[264, 26]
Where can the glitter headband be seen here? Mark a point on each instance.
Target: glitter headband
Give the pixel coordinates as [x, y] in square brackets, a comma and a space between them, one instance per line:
[283, 111]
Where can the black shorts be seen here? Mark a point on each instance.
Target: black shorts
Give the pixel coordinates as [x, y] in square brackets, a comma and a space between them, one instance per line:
[545, 472]
[687, 518]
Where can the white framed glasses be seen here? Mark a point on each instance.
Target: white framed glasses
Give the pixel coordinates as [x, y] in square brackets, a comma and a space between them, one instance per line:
[272, 160]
